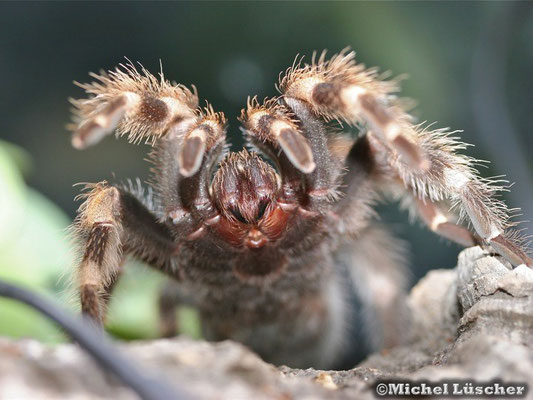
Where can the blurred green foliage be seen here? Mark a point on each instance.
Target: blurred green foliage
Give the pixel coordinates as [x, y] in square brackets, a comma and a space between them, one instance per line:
[31, 240]
[37, 251]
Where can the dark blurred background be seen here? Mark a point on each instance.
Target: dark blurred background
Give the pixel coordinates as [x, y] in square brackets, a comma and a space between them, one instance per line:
[469, 67]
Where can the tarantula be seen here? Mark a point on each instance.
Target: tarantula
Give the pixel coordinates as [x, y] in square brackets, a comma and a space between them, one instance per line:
[260, 246]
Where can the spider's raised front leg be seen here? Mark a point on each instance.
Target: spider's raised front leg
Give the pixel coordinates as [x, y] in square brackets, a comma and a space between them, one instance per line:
[113, 223]
[144, 107]
[288, 132]
[339, 88]
[133, 103]
[426, 161]
[182, 184]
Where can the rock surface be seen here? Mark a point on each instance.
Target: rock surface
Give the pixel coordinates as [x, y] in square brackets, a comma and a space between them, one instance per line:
[473, 322]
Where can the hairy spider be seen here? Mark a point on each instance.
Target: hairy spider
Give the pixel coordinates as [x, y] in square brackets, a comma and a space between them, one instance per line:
[262, 250]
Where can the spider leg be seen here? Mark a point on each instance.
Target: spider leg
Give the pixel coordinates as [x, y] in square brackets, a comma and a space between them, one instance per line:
[377, 267]
[144, 107]
[188, 140]
[472, 195]
[298, 142]
[171, 296]
[263, 125]
[435, 216]
[183, 186]
[452, 176]
[426, 161]
[437, 220]
[321, 184]
[112, 222]
[166, 304]
[341, 89]
[110, 286]
[133, 103]
[271, 127]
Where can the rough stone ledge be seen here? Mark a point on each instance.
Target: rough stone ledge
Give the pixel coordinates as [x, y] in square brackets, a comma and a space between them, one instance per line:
[473, 322]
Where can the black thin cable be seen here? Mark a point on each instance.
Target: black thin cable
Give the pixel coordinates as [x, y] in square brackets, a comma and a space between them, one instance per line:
[96, 344]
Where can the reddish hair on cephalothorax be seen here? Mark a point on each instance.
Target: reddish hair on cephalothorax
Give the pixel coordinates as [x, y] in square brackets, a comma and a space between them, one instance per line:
[245, 189]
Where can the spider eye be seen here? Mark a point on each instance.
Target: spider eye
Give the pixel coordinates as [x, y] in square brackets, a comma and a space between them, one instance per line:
[237, 214]
[262, 208]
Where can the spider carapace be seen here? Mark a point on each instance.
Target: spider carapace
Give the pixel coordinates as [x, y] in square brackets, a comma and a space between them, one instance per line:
[269, 243]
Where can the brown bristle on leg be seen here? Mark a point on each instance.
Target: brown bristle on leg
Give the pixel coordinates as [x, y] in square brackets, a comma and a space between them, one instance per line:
[327, 95]
[152, 109]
